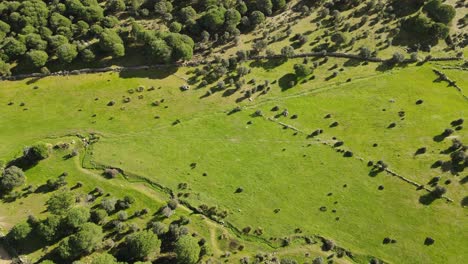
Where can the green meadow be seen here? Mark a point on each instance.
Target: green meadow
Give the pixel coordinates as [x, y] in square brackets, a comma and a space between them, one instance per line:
[264, 171]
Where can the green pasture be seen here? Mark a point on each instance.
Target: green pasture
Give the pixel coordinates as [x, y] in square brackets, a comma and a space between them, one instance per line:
[277, 168]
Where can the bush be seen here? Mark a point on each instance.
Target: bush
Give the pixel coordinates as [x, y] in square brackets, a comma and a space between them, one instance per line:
[12, 177]
[37, 152]
[397, 57]
[302, 70]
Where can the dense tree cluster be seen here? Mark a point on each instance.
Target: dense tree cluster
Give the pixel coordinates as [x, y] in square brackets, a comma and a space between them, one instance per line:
[36, 33]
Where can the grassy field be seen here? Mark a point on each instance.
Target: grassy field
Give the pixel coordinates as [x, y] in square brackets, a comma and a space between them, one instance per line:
[277, 168]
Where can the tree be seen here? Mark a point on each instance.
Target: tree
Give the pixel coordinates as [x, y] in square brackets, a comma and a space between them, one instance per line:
[365, 52]
[12, 177]
[257, 18]
[47, 261]
[37, 152]
[232, 18]
[87, 55]
[160, 51]
[115, 5]
[37, 58]
[339, 38]
[265, 6]
[397, 57]
[56, 41]
[19, 232]
[260, 45]
[77, 217]
[60, 202]
[66, 53]
[34, 41]
[84, 241]
[278, 4]
[287, 51]
[302, 70]
[142, 245]
[175, 27]
[103, 258]
[187, 250]
[182, 46]
[110, 41]
[33, 13]
[187, 14]
[163, 7]
[48, 228]
[439, 12]
[213, 19]
[4, 68]
[13, 48]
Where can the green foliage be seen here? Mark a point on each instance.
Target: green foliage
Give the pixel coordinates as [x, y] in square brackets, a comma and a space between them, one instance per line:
[187, 250]
[60, 202]
[87, 55]
[302, 70]
[213, 19]
[66, 53]
[19, 232]
[232, 18]
[34, 13]
[48, 228]
[187, 14]
[182, 46]
[115, 5]
[287, 51]
[34, 41]
[163, 7]
[58, 20]
[13, 48]
[108, 204]
[103, 258]
[76, 217]
[38, 58]
[142, 245]
[38, 152]
[110, 41]
[257, 18]
[4, 68]
[265, 6]
[83, 242]
[175, 27]
[12, 177]
[439, 12]
[47, 261]
[56, 41]
[423, 30]
[339, 38]
[278, 4]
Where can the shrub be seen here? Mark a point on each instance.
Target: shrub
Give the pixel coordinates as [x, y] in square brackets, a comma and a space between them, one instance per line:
[397, 57]
[12, 177]
[37, 152]
[108, 204]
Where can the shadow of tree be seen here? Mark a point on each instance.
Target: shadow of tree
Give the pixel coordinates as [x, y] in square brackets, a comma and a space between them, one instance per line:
[427, 199]
[285, 81]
